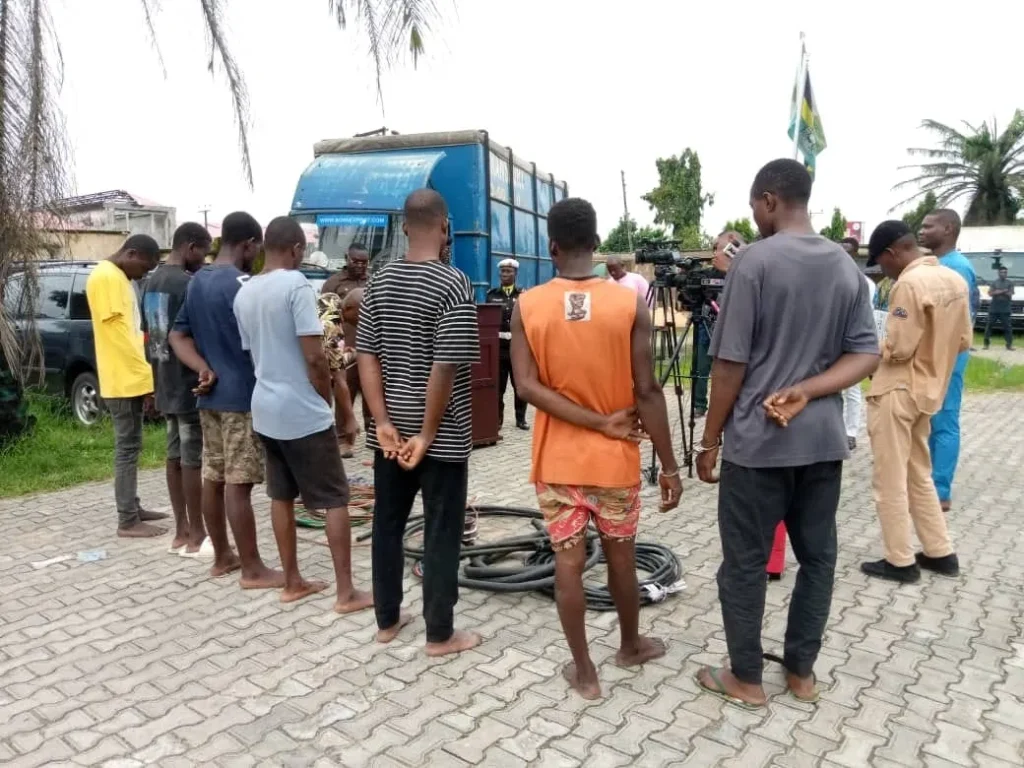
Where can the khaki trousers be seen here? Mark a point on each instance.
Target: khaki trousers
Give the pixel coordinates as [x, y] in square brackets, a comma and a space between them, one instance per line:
[904, 491]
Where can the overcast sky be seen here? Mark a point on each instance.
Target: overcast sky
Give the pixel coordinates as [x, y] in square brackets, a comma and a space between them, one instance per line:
[584, 89]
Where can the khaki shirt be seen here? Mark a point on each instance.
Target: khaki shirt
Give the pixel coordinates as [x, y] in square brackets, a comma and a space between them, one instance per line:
[929, 324]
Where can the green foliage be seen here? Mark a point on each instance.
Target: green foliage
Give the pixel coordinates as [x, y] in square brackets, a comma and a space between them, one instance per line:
[744, 227]
[618, 240]
[980, 164]
[836, 230]
[915, 218]
[678, 201]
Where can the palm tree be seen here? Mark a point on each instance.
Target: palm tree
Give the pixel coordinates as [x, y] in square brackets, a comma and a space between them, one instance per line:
[34, 159]
[981, 164]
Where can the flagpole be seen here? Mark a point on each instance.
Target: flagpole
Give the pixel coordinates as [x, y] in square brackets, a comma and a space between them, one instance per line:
[801, 82]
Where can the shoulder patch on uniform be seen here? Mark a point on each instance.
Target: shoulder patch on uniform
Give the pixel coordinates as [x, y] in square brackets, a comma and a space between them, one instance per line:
[900, 312]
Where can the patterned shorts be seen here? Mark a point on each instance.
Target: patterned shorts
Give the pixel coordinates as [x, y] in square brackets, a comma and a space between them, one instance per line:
[231, 451]
[568, 509]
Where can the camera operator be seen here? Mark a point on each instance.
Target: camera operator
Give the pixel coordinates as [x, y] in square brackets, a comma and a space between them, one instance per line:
[726, 245]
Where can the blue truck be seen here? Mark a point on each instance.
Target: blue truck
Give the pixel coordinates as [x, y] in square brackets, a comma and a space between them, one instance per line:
[354, 190]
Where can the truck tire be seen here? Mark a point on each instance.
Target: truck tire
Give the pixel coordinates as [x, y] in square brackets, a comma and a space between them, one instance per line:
[86, 403]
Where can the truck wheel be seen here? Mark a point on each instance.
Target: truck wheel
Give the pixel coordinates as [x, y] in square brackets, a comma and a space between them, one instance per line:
[86, 403]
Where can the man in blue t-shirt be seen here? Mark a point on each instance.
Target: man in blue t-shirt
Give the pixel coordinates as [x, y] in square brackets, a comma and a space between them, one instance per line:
[939, 234]
[205, 338]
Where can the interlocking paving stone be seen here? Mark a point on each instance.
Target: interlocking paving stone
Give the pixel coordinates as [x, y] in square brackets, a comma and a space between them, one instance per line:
[142, 659]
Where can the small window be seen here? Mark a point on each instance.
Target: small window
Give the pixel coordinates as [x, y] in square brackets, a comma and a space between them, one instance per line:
[79, 302]
[54, 296]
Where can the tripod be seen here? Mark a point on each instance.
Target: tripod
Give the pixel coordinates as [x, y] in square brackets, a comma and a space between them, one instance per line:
[668, 345]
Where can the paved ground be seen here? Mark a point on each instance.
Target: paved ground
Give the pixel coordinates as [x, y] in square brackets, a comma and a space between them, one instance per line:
[140, 659]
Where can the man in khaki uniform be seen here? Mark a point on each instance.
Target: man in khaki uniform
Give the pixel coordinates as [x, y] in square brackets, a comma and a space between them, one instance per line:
[928, 325]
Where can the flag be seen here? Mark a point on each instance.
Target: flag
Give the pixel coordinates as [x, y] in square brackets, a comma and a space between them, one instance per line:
[804, 113]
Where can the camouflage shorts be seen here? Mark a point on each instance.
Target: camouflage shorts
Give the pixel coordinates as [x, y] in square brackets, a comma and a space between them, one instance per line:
[568, 509]
[231, 451]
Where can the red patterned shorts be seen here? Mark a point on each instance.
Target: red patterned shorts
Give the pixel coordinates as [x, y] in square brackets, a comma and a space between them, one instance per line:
[568, 509]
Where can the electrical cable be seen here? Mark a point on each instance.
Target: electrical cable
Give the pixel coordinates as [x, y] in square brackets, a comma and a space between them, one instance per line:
[484, 565]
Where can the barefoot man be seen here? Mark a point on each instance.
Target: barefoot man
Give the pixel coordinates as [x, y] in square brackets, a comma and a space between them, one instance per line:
[586, 461]
[417, 340]
[291, 410]
[205, 338]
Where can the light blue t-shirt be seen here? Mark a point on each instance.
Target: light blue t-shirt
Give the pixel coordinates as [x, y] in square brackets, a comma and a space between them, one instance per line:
[963, 267]
[273, 310]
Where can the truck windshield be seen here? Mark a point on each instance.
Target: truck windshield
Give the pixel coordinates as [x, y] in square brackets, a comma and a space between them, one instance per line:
[984, 268]
[380, 234]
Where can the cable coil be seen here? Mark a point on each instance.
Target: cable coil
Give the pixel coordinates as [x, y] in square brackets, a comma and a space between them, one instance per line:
[480, 569]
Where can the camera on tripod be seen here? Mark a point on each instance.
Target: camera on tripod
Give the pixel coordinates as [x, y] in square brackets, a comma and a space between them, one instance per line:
[696, 282]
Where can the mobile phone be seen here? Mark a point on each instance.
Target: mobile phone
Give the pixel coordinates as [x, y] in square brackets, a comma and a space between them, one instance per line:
[732, 248]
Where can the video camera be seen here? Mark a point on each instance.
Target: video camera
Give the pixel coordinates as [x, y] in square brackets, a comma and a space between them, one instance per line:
[696, 282]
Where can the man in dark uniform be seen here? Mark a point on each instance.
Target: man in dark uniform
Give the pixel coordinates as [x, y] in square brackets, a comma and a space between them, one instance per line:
[507, 294]
[352, 275]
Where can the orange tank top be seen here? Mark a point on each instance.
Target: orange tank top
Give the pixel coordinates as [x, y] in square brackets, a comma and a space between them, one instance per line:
[579, 332]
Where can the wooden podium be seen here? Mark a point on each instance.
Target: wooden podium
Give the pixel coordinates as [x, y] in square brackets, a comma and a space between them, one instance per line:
[485, 376]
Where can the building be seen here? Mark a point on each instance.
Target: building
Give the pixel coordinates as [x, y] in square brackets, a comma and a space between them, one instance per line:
[117, 211]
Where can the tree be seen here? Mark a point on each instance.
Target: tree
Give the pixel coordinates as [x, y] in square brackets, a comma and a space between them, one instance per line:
[618, 240]
[34, 157]
[980, 164]
[836, 229]
[915, 218]
[678, 201]
[743, 227]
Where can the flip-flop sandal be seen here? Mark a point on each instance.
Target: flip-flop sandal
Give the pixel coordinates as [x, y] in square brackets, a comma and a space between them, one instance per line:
[177, 550]
[205, 551]
[720, 691]
[812, 699]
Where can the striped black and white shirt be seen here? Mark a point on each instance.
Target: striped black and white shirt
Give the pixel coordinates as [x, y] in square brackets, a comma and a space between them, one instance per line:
[415, 314]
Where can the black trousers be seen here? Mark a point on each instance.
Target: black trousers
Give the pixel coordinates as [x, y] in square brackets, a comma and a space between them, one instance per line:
[504, 376]
[444, 505]
[751, 504]
[1003, 319]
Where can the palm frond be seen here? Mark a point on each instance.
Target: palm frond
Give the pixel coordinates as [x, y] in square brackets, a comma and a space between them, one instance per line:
[149, 9]
[213, 14]
[406, 22]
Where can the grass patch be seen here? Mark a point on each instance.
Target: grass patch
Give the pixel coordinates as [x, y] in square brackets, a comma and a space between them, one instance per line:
[60, 452]
[985, 375]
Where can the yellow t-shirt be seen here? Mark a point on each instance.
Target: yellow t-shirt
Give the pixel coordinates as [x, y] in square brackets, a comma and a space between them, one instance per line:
[117, 330]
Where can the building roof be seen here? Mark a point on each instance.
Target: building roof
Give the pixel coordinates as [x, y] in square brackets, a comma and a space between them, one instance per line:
[117, 197]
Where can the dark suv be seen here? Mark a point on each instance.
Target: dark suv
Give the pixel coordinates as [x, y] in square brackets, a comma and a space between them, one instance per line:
[65, 328]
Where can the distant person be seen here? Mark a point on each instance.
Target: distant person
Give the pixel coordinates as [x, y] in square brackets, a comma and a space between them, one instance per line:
[291, 411]
[853, 397]
[205, 337]
[163, 296]
[795, 329]
[720, 263]
[353, 275]
[417, 341]
[999, 308]
[586, 461]
[633, 280]
[939, 233]
[929, 325]
[126, 378]
[507, 294]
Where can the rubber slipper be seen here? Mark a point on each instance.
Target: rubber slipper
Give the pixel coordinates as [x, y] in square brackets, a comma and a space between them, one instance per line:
[720, 691]
[178, 550]
[205, 551]
[813, 699]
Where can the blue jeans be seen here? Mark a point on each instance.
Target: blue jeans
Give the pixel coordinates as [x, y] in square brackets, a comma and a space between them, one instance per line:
[944, 441]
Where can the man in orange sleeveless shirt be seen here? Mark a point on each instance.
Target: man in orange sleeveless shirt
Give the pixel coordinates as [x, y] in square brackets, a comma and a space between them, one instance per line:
[590, 407]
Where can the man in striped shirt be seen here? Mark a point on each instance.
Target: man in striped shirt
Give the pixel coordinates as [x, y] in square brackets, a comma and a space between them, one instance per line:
[416, 340]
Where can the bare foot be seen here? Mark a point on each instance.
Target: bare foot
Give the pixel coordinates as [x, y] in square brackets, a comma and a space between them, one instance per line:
[355, 600]
[803, 688]
[586, 686]
[460, 641]
[304, 589]
[140, 531]
[148, 517]
[178, 542]
[262, 578]
[192, 549]
[389, 634]
[229, 564]
[646, 649]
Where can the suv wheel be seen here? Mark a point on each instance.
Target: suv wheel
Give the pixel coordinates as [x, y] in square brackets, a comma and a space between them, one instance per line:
[86, 403]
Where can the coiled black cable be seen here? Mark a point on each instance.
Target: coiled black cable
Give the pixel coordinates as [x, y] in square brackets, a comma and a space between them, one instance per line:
[537, 572]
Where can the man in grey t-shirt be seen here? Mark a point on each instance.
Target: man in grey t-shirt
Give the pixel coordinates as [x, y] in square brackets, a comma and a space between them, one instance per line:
[795, 329]
[291, 410]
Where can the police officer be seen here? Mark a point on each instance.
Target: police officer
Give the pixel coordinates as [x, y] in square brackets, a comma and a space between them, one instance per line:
[507, 294]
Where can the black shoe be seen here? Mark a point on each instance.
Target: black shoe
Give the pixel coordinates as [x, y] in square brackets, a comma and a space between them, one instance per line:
[521, 424]
[851, 443]
[883, 569]
[944, 566]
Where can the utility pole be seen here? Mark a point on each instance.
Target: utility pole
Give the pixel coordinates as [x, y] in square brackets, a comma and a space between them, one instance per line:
[205, 210]
[625, 213]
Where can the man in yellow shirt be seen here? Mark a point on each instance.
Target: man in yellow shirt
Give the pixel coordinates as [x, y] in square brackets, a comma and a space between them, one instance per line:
[126, 378]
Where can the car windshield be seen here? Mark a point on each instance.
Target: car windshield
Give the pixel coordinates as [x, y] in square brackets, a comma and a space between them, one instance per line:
[985, 269]
[381, 234]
